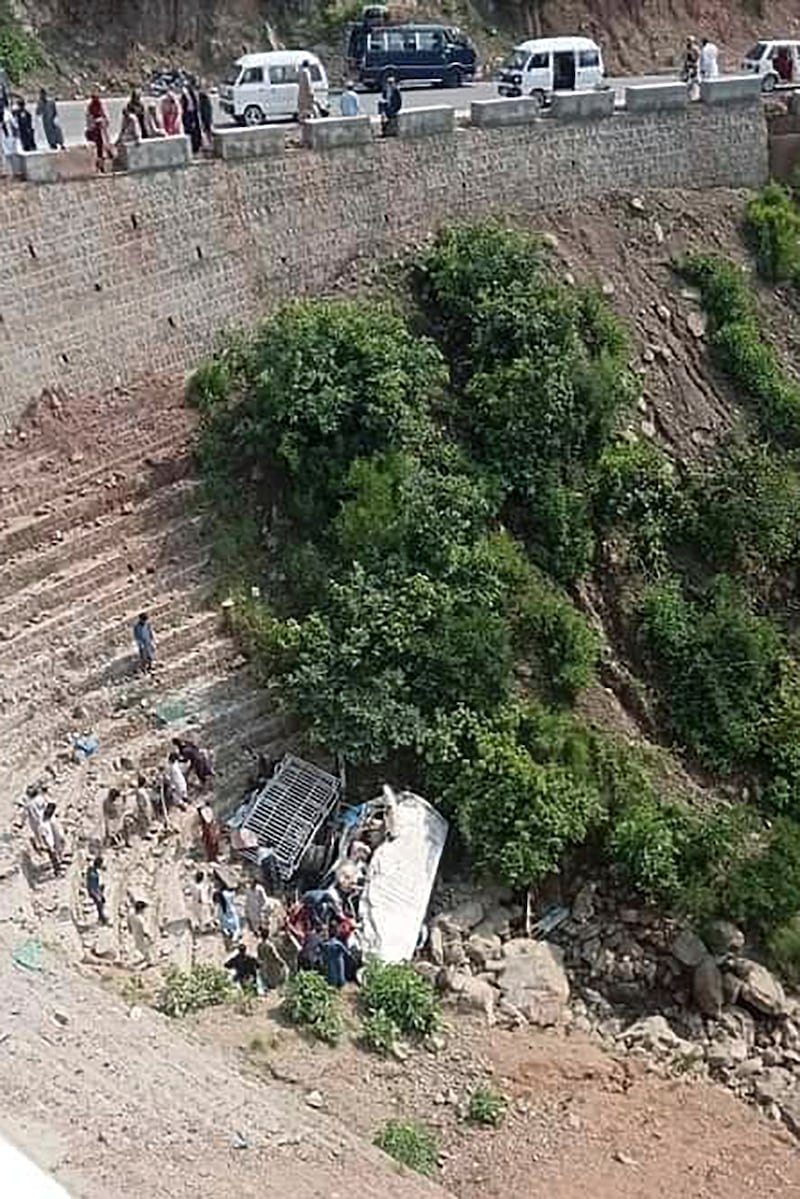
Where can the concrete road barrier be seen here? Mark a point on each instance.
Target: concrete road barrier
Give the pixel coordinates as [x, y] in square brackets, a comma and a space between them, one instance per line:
[426, 122]
[497, 114]
[731, 89]
[260, 141]
[55, 166]
[581, 106]
[328, 133]
[656, 97]
[154, 153]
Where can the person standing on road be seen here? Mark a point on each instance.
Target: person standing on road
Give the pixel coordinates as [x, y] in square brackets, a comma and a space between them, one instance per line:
[205, 112]
[171, 115]
[190, 112]
[691, 66]
[709, 60]
[47, 112]
[27, 137]
[349, 103]
[95, 889]
[389, 106]
[97, 129]
[145, 640]
[305, 93]
[8, 139]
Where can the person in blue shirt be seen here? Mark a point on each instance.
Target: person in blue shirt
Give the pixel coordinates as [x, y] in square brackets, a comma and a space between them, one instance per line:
[349, 103]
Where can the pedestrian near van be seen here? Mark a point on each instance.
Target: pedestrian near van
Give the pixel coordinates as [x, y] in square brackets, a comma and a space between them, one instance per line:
[190, 114]
[305, 92]
[171, 119]
[709, 60]
[95, 889]
[205, 112]
[349, 103]
[145, 640]
[47, 112]
[97, 130]
[389, 106]
[25, 132]
[691, 66]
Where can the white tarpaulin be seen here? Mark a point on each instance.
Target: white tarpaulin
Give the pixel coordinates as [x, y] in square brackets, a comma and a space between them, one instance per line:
[400, 880]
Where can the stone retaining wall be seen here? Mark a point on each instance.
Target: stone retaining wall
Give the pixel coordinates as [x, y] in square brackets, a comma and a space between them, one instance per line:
[127, 275]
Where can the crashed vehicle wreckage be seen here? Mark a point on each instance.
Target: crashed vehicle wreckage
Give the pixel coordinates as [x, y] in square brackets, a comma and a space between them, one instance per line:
[373, 864]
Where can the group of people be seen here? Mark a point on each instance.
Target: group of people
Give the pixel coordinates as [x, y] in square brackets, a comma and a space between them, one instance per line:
[17, 124]
[190, 112]
[700, 62]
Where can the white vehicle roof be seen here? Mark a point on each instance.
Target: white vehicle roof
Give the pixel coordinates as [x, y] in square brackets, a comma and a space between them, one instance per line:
[276, 58]
[557, 43]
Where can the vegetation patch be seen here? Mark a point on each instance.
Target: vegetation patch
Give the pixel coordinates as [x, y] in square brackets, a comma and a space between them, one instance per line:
[310, 1002]
[411, 1144]
[487, 1107]
[186, 991]
[397, 994]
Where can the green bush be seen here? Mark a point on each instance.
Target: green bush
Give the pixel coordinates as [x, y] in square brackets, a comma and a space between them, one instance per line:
[310, 1002]
[719, 665]
[747, 509]
[186, 991]
[400, 995]
[549, 628]
[764, 890]
[209, 385]
[635, 494]
[410, 1144]
[379, 1032]
[20, 53]
[740, 349]
[773, 223]
[487, 1107]
[784, 949]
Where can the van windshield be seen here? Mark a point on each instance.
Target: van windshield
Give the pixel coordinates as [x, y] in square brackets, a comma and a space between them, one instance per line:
[757, 52]
[518, 59]
[232, 74]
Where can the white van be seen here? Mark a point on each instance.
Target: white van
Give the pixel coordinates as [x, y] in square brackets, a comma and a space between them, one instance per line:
[263, 87]
[778, 63]
[552, 64]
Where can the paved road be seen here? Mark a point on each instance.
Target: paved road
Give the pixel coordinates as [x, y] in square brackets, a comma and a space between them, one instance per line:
[73, 123]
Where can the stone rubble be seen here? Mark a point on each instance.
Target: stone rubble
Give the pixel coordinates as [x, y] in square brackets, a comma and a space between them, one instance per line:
[639, 982]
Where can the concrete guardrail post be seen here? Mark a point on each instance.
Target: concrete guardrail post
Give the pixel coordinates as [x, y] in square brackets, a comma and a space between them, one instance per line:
[154, 153]
[328, 133]
[426, 122]
[656, 97]
[497, 114]
[731, 89]
[582, 106]
[259, 141]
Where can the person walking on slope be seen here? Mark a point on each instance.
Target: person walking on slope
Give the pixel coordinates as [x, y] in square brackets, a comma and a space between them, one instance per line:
[145, 640]
[95, 889]
[53, 838]
[709, 60]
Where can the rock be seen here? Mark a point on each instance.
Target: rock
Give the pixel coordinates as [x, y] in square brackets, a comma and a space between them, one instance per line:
[497, 921]
[534, 981]
[608, 289]
[624, 1159]
[658, 233]
[436, 945]
[60, 1017]
[697, 324]
[550, 240]
[569, 278]
[454, 952]
[466, 915]
[428, 970]
[739, 1023]
[663, 313]
[314, 1099]
[749, 1068]
[691, 293]
[688, 949]
[648, 428]
[724, 937]
[774, 1085]
[707, 987]
[762, 991]
[652, 1032]
[647, 355]
[583, 904]
[636, 203]
[482, 951]
[727, 1052]
[732, 987]
[126, 763]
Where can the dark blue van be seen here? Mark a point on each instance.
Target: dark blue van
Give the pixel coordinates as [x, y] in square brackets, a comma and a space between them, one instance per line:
[437, 54]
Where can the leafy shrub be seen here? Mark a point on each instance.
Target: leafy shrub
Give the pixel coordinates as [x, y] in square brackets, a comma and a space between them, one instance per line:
[740, 349]
[400, 995]
[410, 1144]
[784, 948]
[209, 385]
[310, 1002]
[548, 626]
[186, 991]
[487, 1107]
[764, 890]
[747, 509]
[773, 223]
[20, 53]
[644, 846]
[635, 493]
[719, 664]
[379, 1032]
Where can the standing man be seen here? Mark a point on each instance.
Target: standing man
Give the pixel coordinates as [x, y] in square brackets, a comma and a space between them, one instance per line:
[96, 890]
[177, 788]
[190, 111]
[205, 112]
[145, 640]
[349, 103]
[53, 838]
[27, 137]
[305, 93]
[47, 112]
[389, 106]
[691, 66]
[709, 60]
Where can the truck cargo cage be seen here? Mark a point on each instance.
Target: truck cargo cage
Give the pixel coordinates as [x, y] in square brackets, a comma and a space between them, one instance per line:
[288, 811]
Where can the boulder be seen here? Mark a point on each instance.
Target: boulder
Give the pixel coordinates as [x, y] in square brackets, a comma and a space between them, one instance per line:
[732, 987]
[533, 980]
[436, 945]
[761, 990]
[688, 949]
[466, 915]
[484, 952]
[739, 1023]
[583, 904]
[727, 1052]
[497, 921]
[774, 1085]
[651, 1032]
[707, 987]
[724, 937]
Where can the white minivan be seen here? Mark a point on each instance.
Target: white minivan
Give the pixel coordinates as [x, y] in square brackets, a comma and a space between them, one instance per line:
[552, 64]
[263, 87]
[778, 63]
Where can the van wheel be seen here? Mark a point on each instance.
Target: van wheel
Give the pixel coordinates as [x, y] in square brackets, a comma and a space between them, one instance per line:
[768, 83]
[538, 95]
[253, 115]
[453, 77]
